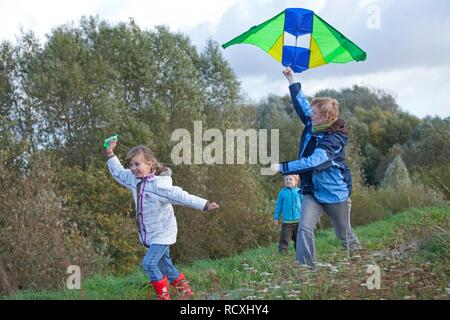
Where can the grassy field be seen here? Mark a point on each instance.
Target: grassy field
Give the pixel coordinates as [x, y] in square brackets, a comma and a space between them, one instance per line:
[411, 249]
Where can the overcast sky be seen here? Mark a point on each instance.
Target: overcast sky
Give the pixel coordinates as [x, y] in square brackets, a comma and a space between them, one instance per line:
[407, 41]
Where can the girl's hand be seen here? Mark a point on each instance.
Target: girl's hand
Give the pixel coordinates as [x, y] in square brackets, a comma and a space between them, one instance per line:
[110, 149]
[275, 222]
[212, 206]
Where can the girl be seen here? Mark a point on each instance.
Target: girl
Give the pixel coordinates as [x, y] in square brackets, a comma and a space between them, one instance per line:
[288, 205]
[326, 180]
[154, 195]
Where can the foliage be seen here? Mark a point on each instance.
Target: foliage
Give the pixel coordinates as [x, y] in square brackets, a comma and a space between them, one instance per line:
[397, 175]
[261, 273]
[60, 99]
[35, 247]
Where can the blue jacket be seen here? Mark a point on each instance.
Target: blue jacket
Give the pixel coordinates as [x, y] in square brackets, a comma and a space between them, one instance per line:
[288, 204]
[321, 163]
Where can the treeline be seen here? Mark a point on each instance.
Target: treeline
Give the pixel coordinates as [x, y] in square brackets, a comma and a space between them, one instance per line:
[61, 98]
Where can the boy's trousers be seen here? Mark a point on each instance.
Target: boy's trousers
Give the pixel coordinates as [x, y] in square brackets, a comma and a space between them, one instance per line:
[339, 214]
[288, 232]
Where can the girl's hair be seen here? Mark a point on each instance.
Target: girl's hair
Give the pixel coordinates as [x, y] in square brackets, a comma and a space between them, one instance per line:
[327, 107]
[149, 157]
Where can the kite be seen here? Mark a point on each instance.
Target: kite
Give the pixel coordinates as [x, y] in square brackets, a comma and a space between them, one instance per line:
[300, 39]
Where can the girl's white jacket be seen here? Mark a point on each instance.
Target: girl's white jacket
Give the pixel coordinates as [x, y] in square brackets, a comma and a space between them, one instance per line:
[154, 212]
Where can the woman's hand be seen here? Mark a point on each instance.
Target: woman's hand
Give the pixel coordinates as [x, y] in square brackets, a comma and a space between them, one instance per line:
[110, 150]
[275, 222]
[275, 168]
[289, 74]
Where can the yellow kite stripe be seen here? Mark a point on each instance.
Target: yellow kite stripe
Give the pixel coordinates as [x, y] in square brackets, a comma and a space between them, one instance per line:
[316, 59]
[277, 49]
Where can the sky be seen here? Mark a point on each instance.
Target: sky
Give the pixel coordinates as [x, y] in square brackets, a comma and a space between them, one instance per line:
[407, 41]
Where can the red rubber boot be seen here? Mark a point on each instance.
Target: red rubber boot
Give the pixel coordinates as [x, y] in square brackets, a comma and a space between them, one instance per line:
[162, 289]
[181, 287]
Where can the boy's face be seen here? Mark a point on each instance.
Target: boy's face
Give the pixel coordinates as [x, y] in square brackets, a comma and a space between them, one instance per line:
[290, 181]
[139, 167]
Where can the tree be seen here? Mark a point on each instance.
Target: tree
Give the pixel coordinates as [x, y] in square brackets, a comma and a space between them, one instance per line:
[429, 144]
[397, 175]
[219, 81]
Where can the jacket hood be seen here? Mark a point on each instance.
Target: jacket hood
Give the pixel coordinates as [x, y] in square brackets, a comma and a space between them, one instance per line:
[166, 172]
[340, 130]
[338, 126]
[164, 175]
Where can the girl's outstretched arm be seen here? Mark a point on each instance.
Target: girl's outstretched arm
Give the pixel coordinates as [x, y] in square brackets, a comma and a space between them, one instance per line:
[123, 176]
[177, 196]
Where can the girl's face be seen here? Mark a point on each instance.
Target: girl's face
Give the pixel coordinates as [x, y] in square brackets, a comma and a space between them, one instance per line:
[317, 118]
[290, 181]
[139, 166]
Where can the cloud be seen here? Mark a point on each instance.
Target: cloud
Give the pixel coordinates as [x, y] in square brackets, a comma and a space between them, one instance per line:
[408, 54]
[178, 15]
[41, 16]
[412, 33]
[419, 95]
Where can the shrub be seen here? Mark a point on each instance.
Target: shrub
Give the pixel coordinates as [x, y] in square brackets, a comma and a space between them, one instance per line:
[397, 175]
[242, 222]
[372, 204]
[35, 249]
[103, 212]
[437, 178]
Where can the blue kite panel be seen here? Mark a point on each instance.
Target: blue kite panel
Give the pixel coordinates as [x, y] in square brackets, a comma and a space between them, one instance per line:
[296, 58]
[298, 21]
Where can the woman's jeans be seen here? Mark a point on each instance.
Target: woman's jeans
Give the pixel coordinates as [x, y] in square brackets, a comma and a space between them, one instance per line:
[339, 214]
[157, 263]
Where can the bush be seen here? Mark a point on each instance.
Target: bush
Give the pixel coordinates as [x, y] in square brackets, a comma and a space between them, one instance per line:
[436, 245]
[372, 204]
[35, 249]
[243, 221]
[103, 212]
[367, 206]
[397, 175]
[437, 178]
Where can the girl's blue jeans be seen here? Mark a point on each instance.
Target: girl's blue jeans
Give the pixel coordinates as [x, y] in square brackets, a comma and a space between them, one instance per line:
[158, 263]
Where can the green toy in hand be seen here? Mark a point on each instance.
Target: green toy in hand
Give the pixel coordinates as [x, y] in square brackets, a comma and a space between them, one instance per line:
[107, 142]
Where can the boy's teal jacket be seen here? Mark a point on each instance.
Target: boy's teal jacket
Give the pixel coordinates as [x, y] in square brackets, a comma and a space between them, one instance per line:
[288, 204]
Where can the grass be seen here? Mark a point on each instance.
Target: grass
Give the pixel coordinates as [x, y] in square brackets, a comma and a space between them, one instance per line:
[412, 250]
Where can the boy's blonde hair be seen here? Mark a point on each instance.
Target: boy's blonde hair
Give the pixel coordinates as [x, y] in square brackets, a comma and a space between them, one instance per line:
[149, 158]
[327, 107]
[295, 176]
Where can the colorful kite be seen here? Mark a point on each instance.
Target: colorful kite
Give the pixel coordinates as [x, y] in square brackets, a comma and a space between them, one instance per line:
[300, 39]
